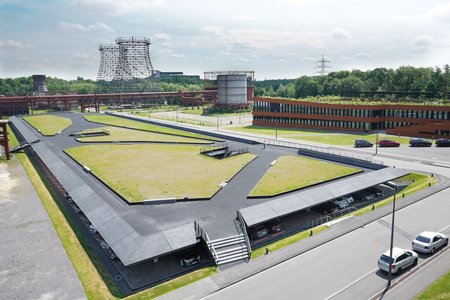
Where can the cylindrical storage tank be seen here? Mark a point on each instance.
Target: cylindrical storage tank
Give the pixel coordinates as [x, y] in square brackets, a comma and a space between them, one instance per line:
[231, 89]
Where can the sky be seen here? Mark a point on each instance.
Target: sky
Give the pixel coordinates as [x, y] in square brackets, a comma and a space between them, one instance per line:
[276, 39]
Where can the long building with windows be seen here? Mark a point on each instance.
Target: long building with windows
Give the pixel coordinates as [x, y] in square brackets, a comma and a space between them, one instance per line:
[418, 120]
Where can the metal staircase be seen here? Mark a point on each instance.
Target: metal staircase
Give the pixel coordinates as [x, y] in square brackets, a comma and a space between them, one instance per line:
[229, 249]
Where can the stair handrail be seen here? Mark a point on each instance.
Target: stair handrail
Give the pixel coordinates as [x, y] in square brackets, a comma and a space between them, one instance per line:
[244, 231]
[210, 245]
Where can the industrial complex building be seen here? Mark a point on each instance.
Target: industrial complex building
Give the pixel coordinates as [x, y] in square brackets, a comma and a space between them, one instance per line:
[431, 121]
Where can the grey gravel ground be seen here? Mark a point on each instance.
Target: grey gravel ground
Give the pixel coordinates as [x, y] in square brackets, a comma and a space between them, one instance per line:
[33, 262]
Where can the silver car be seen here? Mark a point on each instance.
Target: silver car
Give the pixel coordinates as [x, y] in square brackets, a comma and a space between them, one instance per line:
[401, 259]
[428, 241]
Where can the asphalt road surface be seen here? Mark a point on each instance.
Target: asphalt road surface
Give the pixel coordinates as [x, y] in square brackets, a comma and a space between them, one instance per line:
[346, 268]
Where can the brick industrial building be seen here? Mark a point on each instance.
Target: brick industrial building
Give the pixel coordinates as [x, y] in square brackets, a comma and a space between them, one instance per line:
[419, 120]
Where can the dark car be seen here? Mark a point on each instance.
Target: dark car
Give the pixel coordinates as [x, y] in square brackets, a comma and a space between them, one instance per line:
[388, 143]
[442, 143]
[189, 257]
[259, 232]
[326, 208]
[274, 225]
[419, 143]
[362, 143]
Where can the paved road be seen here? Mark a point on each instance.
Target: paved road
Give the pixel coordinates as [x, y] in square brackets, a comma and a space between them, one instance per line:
[346, 266]
[33, 263]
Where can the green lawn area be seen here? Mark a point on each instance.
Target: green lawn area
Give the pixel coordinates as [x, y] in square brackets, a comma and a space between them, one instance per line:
[317, 136]
[118, 134]
[154, 171]
[117, 121]
[292, 172]
[440, 289]
[48, 124]
[287, 241]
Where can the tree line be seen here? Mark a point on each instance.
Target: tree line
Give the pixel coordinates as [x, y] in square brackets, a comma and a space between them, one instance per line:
[23, 86]
[426, 82]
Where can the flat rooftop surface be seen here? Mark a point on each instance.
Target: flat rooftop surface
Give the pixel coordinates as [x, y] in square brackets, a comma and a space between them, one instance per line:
[139, 232]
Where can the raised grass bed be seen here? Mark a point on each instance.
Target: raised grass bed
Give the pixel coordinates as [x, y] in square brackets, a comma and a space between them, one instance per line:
[317, 136]
[117, 134]
[146, 172]
[48, 125]
[292, 172]
[122, 122]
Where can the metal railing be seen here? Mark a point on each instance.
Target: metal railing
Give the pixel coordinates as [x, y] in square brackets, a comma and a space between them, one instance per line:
[202, 233]
[325, 150]
[244, 232]
[342, 212]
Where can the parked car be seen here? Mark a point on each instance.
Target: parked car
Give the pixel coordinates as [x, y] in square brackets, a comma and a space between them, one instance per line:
[375, 191]
[76, 209]
[419, 143]
[104, 245]
[92, 229]
[326, 208]
[342, 203]
[190, 260]
[349, 199]
[428, 241]
[401, 259]
[259, 232]
[442, 143]
[274, 225]
[112, 255]
[362, 143]
[388, 143]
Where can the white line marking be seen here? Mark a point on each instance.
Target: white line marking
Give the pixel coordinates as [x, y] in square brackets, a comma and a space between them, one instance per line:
[440, 230]
[347, 286]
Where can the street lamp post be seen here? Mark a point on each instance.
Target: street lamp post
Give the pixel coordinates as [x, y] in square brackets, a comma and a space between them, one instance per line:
[392, 234]
[217, 121]
[376, 142]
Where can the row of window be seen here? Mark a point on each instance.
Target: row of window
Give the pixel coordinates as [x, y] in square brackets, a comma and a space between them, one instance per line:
[262, 106]
[331, 123]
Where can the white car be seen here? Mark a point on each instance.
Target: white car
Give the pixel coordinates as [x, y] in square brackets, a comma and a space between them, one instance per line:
[349, 199]
[401, 259]
[342, 203]
[428, 241]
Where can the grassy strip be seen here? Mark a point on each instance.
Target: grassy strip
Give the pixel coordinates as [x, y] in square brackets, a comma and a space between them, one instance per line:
[318, 136]
[292, 172]
[440, 289]
[48, 124]
[94, 282]
[174, 284]
[418, 182]
[287, 241]
[117, 121]
[117, 134]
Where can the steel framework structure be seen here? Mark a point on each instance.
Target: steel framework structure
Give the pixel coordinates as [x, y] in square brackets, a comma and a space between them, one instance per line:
[128, 59]
[109, 57]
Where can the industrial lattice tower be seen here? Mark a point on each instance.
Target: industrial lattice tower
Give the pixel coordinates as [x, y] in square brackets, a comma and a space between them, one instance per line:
[128, 59]
[322, 66]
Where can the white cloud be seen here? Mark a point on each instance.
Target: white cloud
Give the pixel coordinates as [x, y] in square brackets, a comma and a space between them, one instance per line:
[216, 30]
[340, 34]
[265, 39]
[282, 61]
[309, 59]
[423, 40]
[15, 44]
[174, 55]
[440, 12]
[303, 2]
[118, 7]
[162, 36]
[93, 28]
[362, 55]
[243, 18]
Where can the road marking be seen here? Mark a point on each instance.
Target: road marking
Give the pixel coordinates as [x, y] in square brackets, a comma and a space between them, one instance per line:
[346, 287]
[440, 230]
